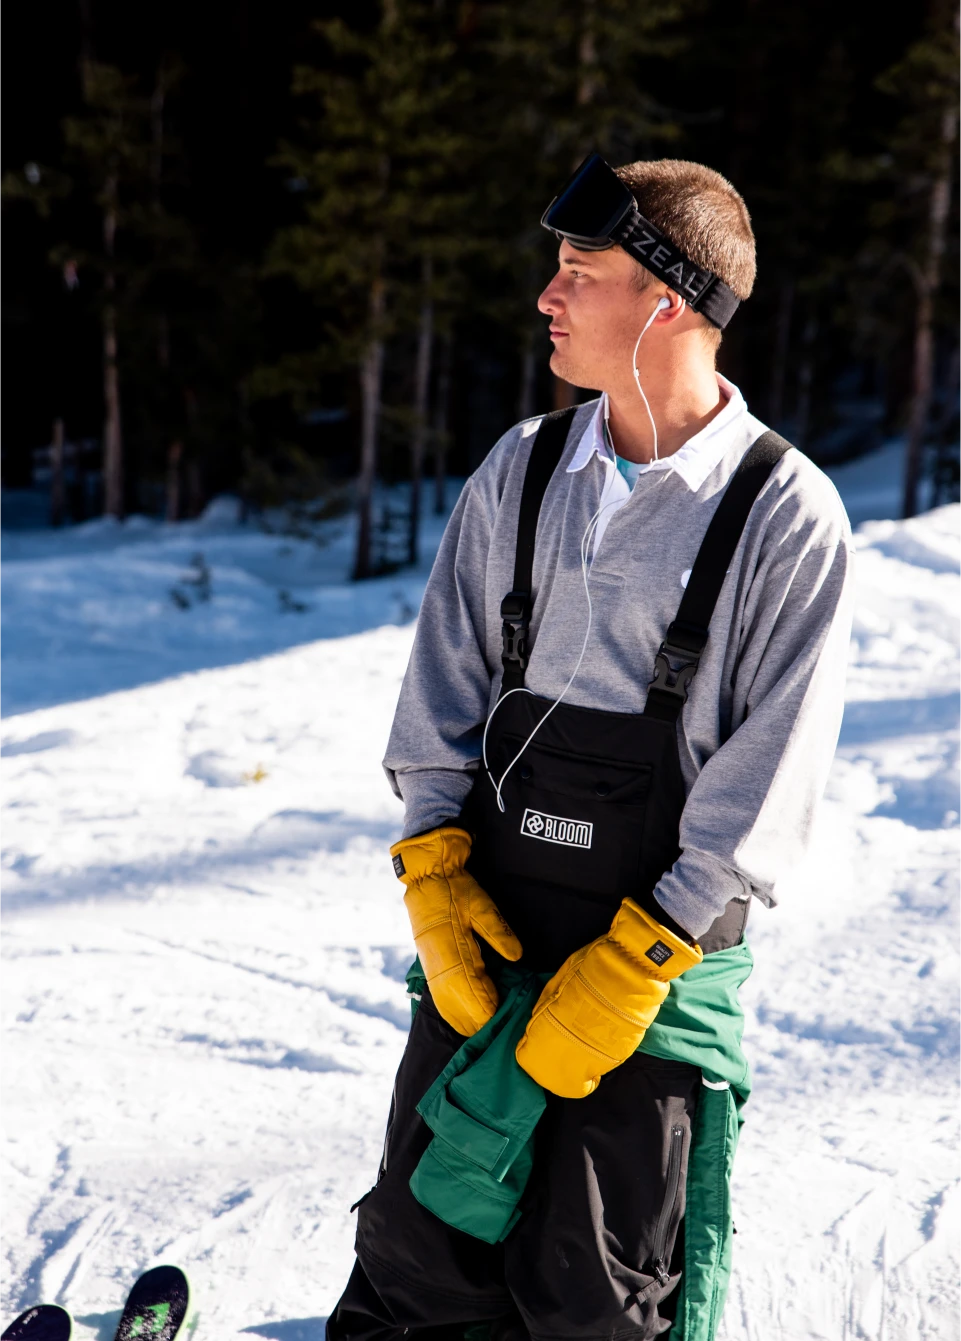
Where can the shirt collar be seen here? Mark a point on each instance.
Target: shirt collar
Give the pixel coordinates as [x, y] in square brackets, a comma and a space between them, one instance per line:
[693, 462]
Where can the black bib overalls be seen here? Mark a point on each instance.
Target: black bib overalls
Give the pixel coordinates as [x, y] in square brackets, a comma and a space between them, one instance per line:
[591, 816]
[592, 808]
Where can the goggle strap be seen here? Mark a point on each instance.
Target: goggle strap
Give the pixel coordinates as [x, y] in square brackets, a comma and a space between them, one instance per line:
[702, 289]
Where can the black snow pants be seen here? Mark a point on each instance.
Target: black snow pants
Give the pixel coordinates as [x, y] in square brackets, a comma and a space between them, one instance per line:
[604, 1203]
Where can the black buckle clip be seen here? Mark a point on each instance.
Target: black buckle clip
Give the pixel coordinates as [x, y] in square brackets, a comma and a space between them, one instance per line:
[674, 669]
[515, 612]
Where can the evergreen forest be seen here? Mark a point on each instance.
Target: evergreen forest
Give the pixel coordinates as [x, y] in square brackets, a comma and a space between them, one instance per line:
[292, 251]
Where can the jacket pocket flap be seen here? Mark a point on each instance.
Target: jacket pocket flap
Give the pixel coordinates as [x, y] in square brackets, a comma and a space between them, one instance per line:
[480, 1144]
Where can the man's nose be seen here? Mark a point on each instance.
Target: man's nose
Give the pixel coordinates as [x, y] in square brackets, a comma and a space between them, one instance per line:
[550, 302]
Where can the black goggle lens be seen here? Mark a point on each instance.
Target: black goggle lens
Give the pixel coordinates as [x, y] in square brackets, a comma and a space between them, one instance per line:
[591, 205]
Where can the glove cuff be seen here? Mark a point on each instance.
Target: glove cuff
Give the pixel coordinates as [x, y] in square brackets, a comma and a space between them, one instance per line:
[663, 955]
[442, 851]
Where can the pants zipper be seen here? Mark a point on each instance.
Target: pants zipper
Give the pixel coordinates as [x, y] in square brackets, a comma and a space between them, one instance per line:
[669, 1206]
[387, 1134]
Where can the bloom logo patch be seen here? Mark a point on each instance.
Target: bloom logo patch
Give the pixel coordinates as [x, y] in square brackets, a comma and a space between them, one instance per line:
[554, 829]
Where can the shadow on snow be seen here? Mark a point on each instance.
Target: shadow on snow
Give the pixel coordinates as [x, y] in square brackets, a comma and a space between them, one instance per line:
[291, 1329]
[288, 833]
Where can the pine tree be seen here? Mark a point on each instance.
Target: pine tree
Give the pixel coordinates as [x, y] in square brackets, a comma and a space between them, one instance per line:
[566, 78]
[177, 327]
[925, 81]
[106, 152]
[778, 116]
[108, 145]
[375, 165]
[108, 161]
[42, 188]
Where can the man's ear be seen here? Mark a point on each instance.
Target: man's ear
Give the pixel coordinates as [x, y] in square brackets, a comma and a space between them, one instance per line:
[673, 307]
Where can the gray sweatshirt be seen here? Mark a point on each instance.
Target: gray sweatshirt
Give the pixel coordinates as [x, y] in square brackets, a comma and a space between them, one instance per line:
[758, 731]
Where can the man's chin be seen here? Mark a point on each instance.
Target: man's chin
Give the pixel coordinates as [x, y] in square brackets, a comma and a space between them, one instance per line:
[567, 369]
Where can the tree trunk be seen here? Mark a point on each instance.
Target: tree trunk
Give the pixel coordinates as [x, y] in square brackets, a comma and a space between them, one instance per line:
[112, 434]
[56, 474]
[156, 187]
[196, 497]
[175, 447]
[782, 339]
[920, 399]
[157, 139]
[805, 381]
[371, 375]
[174, 453]
[927, 281]
[944, 484]
[418, 441]
[86, 45]
[952, 383]
[586, 62]
[112, 439]
[441, 412]
[525, 398]
[565, 394]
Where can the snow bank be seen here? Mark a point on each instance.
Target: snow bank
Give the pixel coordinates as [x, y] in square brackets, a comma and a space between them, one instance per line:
[204, 946]
[108, 605]
[872, 485]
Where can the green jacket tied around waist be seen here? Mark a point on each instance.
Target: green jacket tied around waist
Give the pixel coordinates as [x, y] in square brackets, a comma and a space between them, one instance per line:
[483, 1110]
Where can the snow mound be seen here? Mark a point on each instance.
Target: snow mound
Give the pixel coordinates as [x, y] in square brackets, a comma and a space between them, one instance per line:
[872, 485]
[224, 510]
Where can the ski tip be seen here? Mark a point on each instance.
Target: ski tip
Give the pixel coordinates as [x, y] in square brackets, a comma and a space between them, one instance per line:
[167, 1272]
[157, 1306]
[43, 1322]
[164, 1281]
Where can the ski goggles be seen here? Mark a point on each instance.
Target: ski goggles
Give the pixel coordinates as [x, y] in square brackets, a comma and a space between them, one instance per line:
[596, 210]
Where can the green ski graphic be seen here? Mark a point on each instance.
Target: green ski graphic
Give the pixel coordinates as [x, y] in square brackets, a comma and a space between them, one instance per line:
[156, 1307]
[153, 1326]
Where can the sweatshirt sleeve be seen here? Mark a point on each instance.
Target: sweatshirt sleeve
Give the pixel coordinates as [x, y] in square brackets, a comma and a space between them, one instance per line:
[750, 812]
[435, 741]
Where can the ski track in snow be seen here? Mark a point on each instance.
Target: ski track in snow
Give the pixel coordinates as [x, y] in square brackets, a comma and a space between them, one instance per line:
[204, 956]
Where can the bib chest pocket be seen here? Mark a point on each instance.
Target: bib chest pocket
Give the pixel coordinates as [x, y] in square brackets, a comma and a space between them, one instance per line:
[571, 819]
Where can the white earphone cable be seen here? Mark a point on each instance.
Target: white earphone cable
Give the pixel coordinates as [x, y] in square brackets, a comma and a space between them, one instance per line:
[661, 304]
[586, 541]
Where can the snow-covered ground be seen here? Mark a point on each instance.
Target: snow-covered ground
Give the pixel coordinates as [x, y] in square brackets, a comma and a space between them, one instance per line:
[204, 945]
[872, 485]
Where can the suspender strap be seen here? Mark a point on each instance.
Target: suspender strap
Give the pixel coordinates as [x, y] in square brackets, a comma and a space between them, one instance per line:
[516, 606]
[677, 660]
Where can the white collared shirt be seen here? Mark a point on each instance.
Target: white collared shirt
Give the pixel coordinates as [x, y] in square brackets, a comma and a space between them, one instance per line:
[693, 462]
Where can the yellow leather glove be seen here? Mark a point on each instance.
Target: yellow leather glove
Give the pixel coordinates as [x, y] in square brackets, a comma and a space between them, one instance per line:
[446, 905]
[600, 1003]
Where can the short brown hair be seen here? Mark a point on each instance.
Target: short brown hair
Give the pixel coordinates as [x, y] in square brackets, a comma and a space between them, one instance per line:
[702, 213]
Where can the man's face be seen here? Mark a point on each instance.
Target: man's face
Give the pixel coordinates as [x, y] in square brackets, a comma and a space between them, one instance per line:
[597, 313]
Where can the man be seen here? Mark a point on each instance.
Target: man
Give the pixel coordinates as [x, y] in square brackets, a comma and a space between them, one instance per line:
[620, 710]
